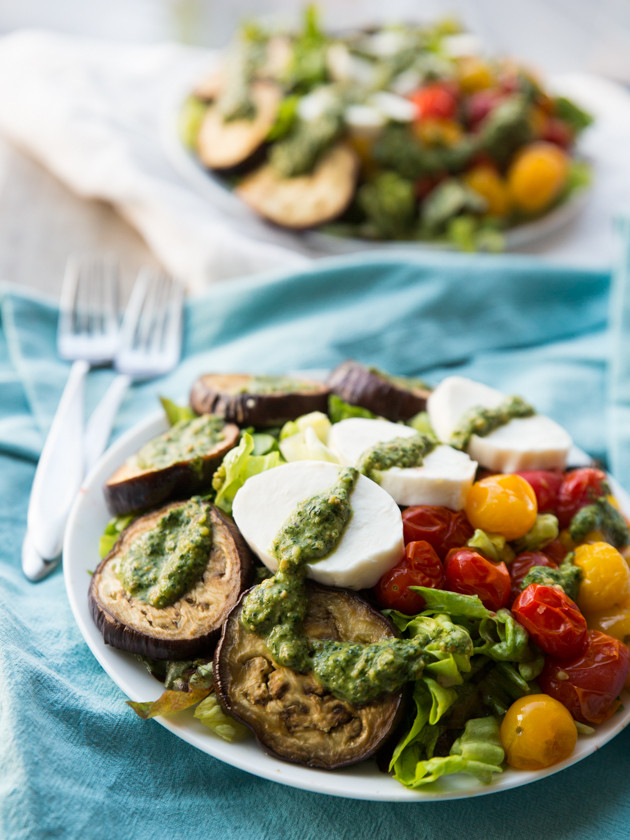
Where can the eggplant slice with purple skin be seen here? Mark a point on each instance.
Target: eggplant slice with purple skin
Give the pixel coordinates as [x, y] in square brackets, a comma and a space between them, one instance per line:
[292, 716]
[189, 627]
[134, 488]
[257, 400]
[303, 201]
[396, 398]
[227, 146]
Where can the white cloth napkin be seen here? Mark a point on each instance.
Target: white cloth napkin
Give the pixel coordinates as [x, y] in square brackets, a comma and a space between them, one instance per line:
[94, 113]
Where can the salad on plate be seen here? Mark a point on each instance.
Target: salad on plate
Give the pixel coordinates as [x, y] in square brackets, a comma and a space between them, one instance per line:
[402, 132]
[370, 567]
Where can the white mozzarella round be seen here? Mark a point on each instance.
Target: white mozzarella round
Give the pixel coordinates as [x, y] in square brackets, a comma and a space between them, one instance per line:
[372, 542]
[350, 438]
[453, 397]
[443, 479]
[525, 443]
[535, 442]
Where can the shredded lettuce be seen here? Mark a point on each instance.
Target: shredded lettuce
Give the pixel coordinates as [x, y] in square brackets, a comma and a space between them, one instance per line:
[113, 530]
[238, 465]
[339, 410]
[210, 713]
[175, 413]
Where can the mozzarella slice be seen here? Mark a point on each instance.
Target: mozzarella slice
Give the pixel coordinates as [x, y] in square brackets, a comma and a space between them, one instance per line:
[443, 479]
[535, 442]
[372, 542]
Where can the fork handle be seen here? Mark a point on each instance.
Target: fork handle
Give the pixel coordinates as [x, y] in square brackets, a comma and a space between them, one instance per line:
[60, 469]
[100, 424]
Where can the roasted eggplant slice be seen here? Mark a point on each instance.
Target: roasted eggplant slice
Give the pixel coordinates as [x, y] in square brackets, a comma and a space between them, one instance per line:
[257, 400]
[304, 201]
[190, 626]
[227, 145]
[292, 715]
[394, 397]
[172, 466]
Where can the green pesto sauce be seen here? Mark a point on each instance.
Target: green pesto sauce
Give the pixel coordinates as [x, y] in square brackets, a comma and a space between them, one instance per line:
[273, 385]
[299, 152]
[399, 452]
[482, 421]
[186, 440]
[600, 516]
[276, 609]
[165, 562]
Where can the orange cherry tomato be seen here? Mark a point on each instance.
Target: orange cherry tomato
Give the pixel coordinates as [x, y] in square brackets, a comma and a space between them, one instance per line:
[502, 504]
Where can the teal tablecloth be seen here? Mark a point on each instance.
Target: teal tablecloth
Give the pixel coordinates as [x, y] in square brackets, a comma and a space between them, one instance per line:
[74, 760]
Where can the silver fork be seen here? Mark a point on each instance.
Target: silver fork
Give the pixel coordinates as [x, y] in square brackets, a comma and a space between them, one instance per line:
[149, 345]
[87, 334]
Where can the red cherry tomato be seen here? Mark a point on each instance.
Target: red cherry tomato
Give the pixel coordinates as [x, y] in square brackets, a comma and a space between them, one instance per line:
[546, 485]
[480, 104]
[437, 100]
[521, 565]
[441, 527]
[470, 573]
[419, 567]
[578, 489]
[555, 551]
[552, 619]
[589, 684]
[558, 132]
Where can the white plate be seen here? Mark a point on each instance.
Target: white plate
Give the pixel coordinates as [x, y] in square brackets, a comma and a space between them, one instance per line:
[80, 555]
[215, 190]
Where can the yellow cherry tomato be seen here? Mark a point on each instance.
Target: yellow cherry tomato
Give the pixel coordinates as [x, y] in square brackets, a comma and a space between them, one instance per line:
[537, 732]
[502, 504]
[487, 183]
[605, 576]
[537, 176]
[474, 74]
[438, 131]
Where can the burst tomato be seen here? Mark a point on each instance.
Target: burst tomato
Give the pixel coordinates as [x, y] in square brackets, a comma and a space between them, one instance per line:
[522, 563]
[578, 489]
[552, 620]
[419, 567]
[436, 100]
[439, 526]
[546, 485]
[589, 684]
[471, 573]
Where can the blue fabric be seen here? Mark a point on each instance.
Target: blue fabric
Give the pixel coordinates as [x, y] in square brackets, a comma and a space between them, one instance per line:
[74, 760]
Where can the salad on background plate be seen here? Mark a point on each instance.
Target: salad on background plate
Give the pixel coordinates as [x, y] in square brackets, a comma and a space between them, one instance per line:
[394, 133]
[379, 581]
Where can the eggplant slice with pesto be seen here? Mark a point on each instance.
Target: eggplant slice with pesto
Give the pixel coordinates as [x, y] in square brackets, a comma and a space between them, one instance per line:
[291, 714]
[165, 589]
[228, 144]
[172, 466]
[304, 201]
[257, 400]
[394, 397]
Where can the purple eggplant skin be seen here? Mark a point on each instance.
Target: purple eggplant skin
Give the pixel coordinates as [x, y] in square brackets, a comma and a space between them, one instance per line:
[130, 490]
[291, 715]
[191, 626]
[226, 395]
[359, 385]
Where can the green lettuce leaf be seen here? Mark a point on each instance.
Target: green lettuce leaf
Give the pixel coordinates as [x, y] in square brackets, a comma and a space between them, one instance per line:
[238, 465]
[339, 410]
[168, 702]
[175, 413]
[210, 713]
[113, 530]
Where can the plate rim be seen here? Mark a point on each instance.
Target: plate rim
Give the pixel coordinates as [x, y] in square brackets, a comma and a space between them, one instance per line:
[366, 782]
